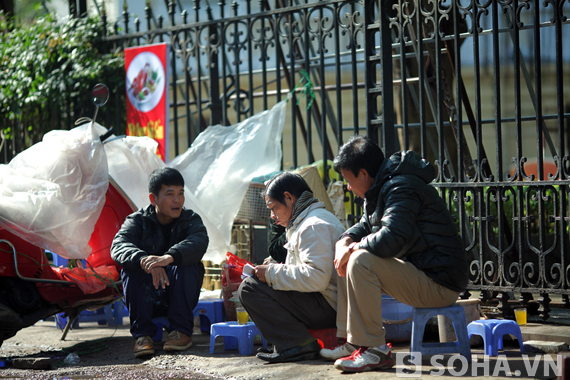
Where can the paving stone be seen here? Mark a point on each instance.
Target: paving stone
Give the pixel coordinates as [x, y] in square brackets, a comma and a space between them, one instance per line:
[546, 332]
[531, 346]
[32, 363]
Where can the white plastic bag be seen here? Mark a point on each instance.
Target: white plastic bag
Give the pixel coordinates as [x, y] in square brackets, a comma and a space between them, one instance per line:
[131, 160]
[52, 193]
[221, 162]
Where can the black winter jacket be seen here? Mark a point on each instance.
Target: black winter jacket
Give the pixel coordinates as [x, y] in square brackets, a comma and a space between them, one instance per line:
[141, 235]
[405, 217]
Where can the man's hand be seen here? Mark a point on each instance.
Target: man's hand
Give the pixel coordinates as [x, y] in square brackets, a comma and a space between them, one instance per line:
[343, 250]
[150, 262]
[260, 272]
[159, 277]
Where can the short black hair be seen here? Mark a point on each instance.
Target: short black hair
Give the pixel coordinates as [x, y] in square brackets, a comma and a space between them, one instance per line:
[282, 182]
[164, 176]
[359, 153]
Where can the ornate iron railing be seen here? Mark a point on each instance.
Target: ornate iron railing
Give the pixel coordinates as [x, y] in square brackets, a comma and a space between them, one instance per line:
[478, 87]
[515, 225]
[461, 82]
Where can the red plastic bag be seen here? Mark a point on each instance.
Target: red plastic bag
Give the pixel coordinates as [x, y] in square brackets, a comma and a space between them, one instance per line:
[233, 269]
[231, 280]
[91, 280]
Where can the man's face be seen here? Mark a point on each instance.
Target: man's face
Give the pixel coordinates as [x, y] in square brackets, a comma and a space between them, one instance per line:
[280, 212]
[168, 204]
[358, 184]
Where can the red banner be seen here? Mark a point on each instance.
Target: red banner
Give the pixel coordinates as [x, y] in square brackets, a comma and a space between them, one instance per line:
[147, 71]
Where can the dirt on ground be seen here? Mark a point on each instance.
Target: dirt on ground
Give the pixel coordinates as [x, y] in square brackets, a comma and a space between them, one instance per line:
[105, 352]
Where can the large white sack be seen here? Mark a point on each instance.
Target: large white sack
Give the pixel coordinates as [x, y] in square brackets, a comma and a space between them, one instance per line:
[52, 193]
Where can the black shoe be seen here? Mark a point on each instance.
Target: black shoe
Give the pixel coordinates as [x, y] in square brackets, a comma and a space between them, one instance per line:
[308, 351]
[263, 350]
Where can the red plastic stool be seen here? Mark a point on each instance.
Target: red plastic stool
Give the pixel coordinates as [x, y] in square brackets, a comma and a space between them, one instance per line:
[327, 337]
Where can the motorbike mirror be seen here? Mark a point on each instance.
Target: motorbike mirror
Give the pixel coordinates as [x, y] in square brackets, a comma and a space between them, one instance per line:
[100, 94]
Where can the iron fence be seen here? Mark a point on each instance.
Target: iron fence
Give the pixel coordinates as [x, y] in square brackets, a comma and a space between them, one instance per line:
[514, 223]
[475, 86]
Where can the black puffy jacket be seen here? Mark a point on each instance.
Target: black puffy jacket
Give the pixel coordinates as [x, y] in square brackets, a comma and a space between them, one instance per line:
[141, 235]
[405, 217]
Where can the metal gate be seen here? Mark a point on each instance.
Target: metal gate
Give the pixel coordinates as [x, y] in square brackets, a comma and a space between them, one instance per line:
[478, 87]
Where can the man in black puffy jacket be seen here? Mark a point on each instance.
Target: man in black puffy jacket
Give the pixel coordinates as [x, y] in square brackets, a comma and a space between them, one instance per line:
[160, 248]
[406, 246]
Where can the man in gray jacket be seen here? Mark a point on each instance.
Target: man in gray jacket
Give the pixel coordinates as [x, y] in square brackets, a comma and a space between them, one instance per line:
[160, 248]
[406, 246]
[285, 300]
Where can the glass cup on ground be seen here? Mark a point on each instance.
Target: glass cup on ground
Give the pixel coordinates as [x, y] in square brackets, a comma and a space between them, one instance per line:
[520, 316]
[241, 315]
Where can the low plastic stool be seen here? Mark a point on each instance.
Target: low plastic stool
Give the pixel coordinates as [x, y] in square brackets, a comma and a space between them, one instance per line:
[59, 261]
[244, 334]
[492, 331]
[109, 315]
[160, 322]
[420, 317]
[212, 309]
[326, 336]
[120, 311]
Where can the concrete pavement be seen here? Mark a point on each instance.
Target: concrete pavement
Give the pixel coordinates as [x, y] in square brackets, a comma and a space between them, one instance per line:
[43, 339]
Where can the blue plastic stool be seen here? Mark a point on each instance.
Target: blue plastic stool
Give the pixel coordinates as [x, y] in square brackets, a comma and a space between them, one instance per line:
[232, 331]
[420, 317]
[210, 311]
[160, 322]
[492, 331]
[59, 261]
[110, 315]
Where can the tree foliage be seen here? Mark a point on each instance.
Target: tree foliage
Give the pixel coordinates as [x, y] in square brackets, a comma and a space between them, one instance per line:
[47, 71]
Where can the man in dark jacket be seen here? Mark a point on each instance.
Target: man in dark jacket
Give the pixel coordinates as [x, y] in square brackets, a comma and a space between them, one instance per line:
[276, 240]
[160, 248]
[406, 246]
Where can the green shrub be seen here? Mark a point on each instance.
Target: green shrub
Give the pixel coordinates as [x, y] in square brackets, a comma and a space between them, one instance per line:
[508, 196]
[47, 71]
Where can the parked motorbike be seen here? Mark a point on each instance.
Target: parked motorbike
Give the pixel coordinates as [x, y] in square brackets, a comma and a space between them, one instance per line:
[30, 288]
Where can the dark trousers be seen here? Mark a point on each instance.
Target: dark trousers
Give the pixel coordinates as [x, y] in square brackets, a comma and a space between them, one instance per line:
[284, 317]
[177, 301]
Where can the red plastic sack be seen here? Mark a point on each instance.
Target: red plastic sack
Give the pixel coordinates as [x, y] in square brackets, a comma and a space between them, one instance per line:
[231, 280]
[91, 280]
[233, 269]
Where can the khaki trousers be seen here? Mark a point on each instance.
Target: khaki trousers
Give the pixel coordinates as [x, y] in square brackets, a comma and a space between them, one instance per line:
[359, 314]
